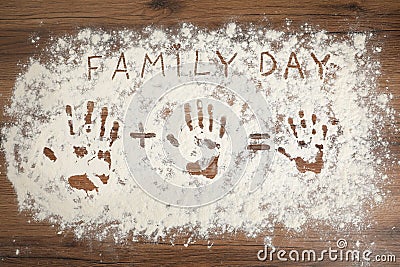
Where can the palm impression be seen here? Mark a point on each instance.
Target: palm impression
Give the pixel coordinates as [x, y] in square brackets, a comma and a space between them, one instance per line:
[200, 140]
[309, 134]
[93, 164]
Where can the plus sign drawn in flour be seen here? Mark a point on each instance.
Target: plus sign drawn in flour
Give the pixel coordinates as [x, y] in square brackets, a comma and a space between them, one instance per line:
[200, 127]
[155, 132]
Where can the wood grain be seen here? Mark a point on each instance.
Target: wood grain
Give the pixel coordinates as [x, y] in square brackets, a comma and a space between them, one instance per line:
[39, 243]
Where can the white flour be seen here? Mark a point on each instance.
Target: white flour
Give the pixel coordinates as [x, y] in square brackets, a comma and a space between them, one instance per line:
[343, 95]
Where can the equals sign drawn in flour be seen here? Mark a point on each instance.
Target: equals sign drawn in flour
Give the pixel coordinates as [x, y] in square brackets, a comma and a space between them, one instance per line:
[258, 146]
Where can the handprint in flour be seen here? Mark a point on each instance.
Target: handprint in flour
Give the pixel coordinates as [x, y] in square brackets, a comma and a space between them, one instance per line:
[200, 141]
[92, 158]
[305, 141]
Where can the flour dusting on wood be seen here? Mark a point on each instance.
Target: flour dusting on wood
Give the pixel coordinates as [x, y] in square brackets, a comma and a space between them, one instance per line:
[65, 155]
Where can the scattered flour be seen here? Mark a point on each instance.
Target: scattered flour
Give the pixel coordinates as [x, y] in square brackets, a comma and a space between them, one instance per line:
[341, 92]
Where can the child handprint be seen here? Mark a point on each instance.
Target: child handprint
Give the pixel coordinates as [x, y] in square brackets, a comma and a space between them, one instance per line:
[203, 138]
[303, 165]
[84, 181]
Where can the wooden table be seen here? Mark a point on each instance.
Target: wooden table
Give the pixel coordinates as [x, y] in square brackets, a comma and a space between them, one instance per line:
[39, 243]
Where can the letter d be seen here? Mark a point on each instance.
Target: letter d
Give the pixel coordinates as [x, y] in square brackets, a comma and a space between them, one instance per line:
[262, 251]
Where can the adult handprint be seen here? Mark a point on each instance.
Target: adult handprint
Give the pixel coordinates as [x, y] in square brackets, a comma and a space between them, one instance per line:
[204, 138]
[84, 181]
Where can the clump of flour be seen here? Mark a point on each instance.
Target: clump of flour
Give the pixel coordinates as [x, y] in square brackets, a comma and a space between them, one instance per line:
[339, 101]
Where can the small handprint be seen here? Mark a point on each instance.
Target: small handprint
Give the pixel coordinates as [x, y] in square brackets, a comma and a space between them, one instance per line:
[302, 165]
[204, 138]
[84, 181]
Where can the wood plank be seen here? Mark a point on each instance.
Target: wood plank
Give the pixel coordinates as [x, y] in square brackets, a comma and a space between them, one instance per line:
[39, 243]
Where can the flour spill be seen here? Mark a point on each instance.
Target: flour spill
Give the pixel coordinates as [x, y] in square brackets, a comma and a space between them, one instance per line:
[66, 156]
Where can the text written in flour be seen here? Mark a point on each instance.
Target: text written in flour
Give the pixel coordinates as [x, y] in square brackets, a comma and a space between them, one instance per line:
[267, 63]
